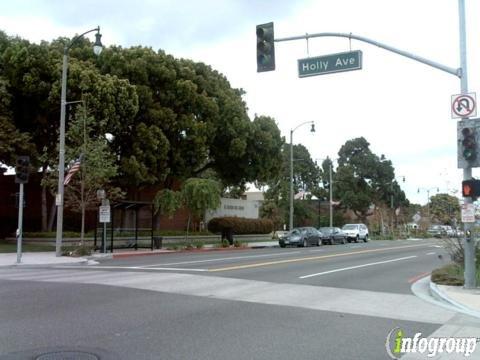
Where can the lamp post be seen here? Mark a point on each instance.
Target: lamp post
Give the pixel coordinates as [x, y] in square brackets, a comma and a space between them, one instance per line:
[428, 197]
[97, 49]
[312, 129]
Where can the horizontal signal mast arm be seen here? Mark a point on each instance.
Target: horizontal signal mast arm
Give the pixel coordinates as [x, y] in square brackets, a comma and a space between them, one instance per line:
[450, 70]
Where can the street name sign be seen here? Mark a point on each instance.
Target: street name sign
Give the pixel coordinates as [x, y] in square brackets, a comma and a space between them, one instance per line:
[328, 64]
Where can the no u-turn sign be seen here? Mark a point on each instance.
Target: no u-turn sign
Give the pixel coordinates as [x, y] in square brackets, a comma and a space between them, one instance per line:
[464, 105]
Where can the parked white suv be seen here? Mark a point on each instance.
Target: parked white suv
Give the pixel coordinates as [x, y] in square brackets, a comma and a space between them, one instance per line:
[356, 232]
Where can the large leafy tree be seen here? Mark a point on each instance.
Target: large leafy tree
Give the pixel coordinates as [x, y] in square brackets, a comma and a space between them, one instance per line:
[190, 120]
[31, 82]
[172, 119]
[364, 179]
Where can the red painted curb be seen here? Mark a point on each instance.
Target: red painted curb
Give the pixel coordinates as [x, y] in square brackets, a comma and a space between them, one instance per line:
[124, 255]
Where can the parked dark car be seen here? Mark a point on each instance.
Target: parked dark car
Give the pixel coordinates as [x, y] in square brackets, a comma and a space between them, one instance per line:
[303, 236]
[332, 235]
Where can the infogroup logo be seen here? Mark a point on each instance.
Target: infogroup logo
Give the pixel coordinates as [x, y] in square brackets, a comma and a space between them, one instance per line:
[397, 344]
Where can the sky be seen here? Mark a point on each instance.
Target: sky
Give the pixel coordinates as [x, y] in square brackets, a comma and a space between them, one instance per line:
[402, 107]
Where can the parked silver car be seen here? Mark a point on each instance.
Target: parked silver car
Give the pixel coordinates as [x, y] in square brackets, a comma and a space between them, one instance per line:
[356, 232]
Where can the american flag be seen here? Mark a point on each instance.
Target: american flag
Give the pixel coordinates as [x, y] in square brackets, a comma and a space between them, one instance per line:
[73, 169]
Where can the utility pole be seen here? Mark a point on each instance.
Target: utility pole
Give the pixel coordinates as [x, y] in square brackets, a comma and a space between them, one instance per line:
[331, 195]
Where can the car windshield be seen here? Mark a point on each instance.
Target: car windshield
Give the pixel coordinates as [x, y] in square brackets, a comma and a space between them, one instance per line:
[326, 230]
[298, 232]
[350, 227]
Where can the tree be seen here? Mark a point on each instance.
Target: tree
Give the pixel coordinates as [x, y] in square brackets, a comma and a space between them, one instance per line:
[172, 119]
[200, 195]
[190, 121]
[445, 209]
[12, 141]
[97, 170]
[31, 84]
[363, 179]
[306, 177]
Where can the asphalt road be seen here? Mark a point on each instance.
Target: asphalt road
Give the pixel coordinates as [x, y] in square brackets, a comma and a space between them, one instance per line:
[330, 302]
[377, 265]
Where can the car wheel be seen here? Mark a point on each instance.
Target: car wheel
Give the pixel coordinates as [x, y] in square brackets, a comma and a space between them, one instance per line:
[282, 245]
[365, 239]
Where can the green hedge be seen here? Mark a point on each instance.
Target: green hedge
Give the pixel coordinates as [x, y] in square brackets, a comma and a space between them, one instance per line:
[240, 226]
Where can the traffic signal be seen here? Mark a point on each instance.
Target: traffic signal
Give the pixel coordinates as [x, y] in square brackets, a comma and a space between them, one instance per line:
[471, 188]
[469, 144]
[265, 48]
[468, 140]
[22, 169]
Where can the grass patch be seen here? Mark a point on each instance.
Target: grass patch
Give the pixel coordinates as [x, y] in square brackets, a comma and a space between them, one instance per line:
[451, 274]
[12, 248]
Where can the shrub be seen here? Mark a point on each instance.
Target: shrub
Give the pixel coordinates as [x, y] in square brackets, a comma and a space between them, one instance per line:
[198, 244]
[239, 244]
[77, 250]
[448, 275]
[240, 226]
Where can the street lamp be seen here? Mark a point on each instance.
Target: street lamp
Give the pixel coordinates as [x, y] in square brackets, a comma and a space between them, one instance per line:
[428, 197]
[312, 129]
[97, 49]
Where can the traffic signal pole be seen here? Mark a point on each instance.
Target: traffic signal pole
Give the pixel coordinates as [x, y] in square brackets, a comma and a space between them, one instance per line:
[468, 244]
[460, 72]
[20, 225]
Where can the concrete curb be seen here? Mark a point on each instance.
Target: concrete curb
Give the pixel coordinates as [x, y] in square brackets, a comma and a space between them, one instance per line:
[206, 248]
[81, 261]
[458, 306]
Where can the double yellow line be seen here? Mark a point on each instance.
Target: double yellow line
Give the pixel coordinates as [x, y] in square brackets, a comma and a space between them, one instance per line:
[310, 258]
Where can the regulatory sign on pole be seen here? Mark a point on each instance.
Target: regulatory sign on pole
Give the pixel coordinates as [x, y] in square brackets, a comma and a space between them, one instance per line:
[104, 213]
[468, 213]
[464, 105]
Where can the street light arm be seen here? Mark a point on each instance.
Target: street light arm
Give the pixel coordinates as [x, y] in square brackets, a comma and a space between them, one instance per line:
[78, 37]
[306, 122]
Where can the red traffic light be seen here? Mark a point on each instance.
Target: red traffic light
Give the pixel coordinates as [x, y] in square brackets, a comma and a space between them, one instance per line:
[471, 188]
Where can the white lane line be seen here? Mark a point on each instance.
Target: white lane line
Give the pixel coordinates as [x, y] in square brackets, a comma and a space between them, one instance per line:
[220, 259]
[431, 253]
[357, 267]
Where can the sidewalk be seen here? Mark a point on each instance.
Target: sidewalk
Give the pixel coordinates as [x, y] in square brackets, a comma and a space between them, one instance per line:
[49, 258]
[464, 300]
[38, 258]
